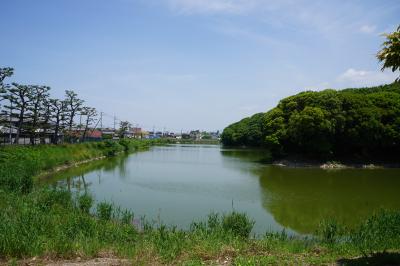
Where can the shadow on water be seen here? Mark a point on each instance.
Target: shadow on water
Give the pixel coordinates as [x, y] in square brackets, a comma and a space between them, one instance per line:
[248, 155]
[294, 198]
[300, 198]
[380, 259]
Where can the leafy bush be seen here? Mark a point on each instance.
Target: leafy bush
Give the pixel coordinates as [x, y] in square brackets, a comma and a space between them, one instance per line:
[239, 224]
[85, 202]
[104, 211]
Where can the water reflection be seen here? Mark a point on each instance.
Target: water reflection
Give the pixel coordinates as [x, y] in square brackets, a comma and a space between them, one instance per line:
[187, 182]
[301, 198]
[73, 179]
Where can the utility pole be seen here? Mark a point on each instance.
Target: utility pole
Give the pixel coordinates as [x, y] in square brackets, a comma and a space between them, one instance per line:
[101, 121]
[115, 122]
[11, 109]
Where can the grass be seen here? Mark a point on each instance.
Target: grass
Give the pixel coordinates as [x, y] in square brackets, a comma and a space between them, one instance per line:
[20, 163]
[53, 223]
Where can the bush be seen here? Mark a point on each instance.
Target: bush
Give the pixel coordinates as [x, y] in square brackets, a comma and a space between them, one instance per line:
[85, 203]
[104, 211]
[239, 224]
[329, 231]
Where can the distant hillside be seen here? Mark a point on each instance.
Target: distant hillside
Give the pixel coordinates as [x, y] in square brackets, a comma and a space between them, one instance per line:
[353, 122]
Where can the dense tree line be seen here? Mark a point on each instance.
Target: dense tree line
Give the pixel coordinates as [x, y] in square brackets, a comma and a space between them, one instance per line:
[360, 123]
[29, 110]
[353, 122]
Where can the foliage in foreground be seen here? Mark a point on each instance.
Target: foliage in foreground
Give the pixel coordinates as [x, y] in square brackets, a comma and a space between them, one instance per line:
[390, 53]
[55, 223]
[363, 123]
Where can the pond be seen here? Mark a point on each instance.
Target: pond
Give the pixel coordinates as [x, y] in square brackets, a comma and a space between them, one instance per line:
[178, 184]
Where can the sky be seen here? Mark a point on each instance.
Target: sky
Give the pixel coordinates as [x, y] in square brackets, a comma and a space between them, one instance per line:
[193, 64]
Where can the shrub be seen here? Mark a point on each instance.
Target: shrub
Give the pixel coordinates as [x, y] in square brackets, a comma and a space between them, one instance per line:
[239, 224]
[329, 231]
[104, 211]
[85, 203]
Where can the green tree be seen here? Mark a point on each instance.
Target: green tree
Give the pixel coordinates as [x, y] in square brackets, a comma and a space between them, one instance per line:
[4, 73]
[58, 109]
[311, 130]
[46, 114]
[19, 100]
[74, 105]
[89, 113]
[124, 126]
[37, 99]
[353, 123]
[389, 55]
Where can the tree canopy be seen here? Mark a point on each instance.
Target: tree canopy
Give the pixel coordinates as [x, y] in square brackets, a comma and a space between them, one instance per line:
[357, 122]
[390, 53]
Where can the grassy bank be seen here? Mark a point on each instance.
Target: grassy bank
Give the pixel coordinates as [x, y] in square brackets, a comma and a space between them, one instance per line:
[52, 224]
[49, 223]
[18, 164]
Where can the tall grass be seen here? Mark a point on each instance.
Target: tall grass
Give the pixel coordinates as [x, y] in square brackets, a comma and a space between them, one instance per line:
[54, 223]
[18, 164]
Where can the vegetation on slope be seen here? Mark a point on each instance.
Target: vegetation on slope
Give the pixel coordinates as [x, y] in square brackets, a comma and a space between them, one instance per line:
[354, 122]
[18, 164]
[50, 223]
[54, 223]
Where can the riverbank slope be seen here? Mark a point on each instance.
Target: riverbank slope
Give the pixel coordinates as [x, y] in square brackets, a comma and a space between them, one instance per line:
[44, 225]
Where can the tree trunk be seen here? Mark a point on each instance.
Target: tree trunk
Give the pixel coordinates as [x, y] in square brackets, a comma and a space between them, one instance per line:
[19, 129]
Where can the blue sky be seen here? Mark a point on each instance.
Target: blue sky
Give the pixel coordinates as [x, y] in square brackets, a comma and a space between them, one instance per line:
[193, 64]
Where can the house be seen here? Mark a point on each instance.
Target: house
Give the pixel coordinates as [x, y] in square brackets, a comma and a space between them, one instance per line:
[128, 134]
[195, 134]
[108, 133]
[137, 132]
[185, 136]
[94, 135]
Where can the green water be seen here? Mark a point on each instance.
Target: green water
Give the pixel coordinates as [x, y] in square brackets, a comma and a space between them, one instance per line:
[177, 184]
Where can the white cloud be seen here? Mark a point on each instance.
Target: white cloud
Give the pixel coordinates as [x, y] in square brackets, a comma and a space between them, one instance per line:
[240, 33]
[353, 77]
[369, 29]
[209, 6]
[225, 6]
